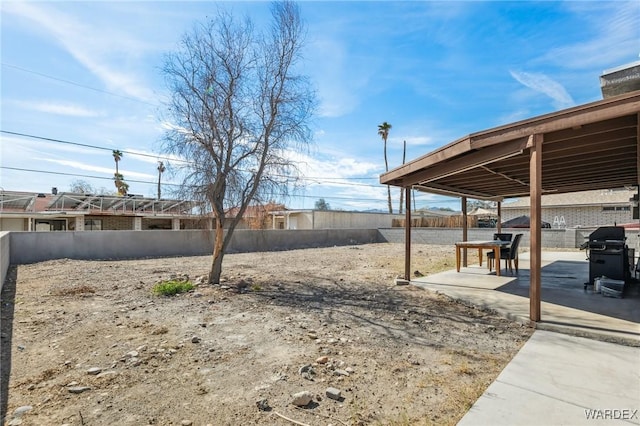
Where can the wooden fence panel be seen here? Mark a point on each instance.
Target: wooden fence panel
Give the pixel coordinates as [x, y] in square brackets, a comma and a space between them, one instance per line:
[437, 222]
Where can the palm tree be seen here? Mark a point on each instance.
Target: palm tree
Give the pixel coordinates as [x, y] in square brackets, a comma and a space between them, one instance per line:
[161, 170]
[123, 189]
[121, 185]
[383, 131]
[117, 156]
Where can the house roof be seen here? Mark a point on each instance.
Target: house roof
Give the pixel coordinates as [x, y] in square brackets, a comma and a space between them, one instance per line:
[479, 211]
[584, 198]
[71, 203]
[588, 147]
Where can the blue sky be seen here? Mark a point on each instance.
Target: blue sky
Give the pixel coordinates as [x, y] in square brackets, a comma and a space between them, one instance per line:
[89, 73]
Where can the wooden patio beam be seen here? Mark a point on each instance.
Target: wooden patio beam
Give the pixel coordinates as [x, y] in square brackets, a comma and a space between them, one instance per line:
[570, 118]
[469, 161]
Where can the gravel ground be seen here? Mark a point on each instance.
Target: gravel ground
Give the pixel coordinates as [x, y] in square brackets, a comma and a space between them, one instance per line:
[88, 343]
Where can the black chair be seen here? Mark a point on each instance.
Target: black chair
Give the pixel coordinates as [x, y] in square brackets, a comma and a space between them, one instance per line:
[503, 237]
[510, 255]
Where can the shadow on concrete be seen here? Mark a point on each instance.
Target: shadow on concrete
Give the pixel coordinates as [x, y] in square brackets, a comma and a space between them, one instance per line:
[562, 283]
[7, 307]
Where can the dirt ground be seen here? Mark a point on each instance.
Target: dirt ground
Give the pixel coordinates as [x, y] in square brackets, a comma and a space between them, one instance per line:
[88, 343]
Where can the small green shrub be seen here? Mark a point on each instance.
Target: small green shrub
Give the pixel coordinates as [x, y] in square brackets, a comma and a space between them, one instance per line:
[172, 287]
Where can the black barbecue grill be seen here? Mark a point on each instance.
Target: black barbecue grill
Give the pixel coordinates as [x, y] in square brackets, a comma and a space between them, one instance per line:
[608, 254]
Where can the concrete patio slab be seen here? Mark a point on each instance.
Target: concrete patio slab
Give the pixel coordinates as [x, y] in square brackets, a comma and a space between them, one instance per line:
[557, 379]
[566, 306]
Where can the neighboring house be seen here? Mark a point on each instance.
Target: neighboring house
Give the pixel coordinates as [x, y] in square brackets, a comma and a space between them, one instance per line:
[330, 219]
[578, 209]
[487, 218]
[277, 216]
[28, 211]
[257, 216]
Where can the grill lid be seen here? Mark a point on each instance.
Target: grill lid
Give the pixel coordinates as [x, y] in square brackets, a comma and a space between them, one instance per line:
[613, 234]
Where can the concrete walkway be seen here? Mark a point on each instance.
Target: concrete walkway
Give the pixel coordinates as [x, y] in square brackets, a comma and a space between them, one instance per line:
[581, 376]
[557, 379]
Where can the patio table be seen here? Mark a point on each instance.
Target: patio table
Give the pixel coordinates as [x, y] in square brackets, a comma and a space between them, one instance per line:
[494, 245]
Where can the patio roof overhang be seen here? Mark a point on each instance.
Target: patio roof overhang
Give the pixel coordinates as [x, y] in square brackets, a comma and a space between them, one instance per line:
[588, 147]
[591, 146]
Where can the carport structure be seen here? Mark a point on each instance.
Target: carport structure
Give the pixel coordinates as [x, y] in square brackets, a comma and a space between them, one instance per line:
[588, 147]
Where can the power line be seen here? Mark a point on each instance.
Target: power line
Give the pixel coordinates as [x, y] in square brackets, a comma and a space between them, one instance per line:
[80, 175]
[311, 178]
[91, 146]
[328, 197]
[332, 197]
[73, 83]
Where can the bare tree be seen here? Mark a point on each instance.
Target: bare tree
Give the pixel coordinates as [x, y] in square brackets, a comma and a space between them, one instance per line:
[80, 186]
[383, 131]
[238, 111]
[321, 204]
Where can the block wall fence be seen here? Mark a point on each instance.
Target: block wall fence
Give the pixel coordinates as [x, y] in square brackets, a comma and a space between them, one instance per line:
[30, 247]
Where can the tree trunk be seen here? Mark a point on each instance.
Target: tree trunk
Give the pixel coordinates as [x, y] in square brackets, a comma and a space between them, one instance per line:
[389, 199]
[218, 254]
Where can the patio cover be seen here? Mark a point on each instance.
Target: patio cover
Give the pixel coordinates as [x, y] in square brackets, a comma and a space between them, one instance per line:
[591, 146]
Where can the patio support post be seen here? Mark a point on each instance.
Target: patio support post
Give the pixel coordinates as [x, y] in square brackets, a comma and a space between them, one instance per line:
[535, 179]
[463, 207]
[499, 224]
[407, 234]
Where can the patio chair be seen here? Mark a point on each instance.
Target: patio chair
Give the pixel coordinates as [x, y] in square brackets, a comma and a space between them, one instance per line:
[510, 255]
[503, 237]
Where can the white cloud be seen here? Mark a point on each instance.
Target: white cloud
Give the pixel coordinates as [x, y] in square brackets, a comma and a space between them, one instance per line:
[544, 84]
[97, 169]
[59, 108]
[101, 50]
[614, 38]
[331, 169]
[515, 115]
[22, 145]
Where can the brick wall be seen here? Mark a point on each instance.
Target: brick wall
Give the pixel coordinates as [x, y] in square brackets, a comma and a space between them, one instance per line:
[114, 223]
[570, 217]
[153, 223]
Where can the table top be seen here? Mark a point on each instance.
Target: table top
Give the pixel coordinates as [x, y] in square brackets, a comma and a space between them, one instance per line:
[490, 243]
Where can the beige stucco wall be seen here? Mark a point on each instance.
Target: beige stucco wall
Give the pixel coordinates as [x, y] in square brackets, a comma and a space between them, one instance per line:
[352, 220]
[12, 224]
